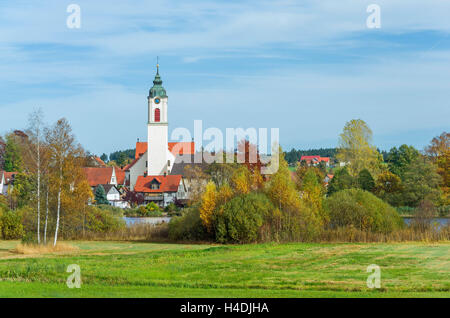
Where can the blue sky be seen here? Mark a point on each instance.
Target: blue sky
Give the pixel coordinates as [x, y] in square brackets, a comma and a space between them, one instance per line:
[305, 67]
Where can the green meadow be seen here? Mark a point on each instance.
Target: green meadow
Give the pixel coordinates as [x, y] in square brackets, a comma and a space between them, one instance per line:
[137, 269]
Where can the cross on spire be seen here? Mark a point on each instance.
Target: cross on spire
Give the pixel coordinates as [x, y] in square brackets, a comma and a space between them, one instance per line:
[157, 65]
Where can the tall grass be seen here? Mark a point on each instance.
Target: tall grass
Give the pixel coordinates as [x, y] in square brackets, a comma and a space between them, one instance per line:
[26, 248]
[135, 232]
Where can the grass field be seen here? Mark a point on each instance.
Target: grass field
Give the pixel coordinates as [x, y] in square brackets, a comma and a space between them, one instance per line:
[134, 269]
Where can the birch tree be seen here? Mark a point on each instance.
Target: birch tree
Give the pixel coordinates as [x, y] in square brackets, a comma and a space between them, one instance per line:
[35, 138]
[61, 143]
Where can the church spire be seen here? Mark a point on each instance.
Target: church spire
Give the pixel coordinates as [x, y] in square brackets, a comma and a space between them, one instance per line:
[157, 89]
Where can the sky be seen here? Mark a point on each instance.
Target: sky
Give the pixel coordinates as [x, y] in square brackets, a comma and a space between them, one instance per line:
[305, 67]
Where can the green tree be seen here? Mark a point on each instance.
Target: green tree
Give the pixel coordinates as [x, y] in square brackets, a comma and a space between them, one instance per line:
[355, 148]
[362, 210]
[242, 218]
[121, 159]
[399, 159]
[421, 181]
[389, 188]
[366, 181]
[104, 157]
[100, 195]
[341, 180]
[13, 158]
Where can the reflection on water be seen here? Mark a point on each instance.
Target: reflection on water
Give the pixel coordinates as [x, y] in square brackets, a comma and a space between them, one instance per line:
[153, 220]
[439, 221]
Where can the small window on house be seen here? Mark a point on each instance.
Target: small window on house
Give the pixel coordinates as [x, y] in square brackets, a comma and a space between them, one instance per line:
[157, 115]
[146, 164]
[168, 163]
[154, 185]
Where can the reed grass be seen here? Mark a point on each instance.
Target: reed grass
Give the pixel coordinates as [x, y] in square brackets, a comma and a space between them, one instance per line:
[30, 249]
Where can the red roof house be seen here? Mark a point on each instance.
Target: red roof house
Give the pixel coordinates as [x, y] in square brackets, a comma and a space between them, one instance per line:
[314, 160]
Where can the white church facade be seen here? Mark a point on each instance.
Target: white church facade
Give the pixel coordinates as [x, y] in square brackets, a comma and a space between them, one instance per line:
[150, 172]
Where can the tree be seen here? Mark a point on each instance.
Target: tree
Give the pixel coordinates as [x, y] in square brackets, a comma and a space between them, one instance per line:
[439, 153]
[35, 141]
[100, 195]
[242, 218]
[104, 157]
[421, 181]
[13, 157]
[399, 159]
[341, 180]
[355, 148]
[121, 159]
[366, 181]
[362, 210]
[241, 181]
[208, 205]
[389, 188]
[63, 153]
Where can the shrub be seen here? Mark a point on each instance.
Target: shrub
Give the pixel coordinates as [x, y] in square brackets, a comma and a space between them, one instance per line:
[152, 207]
[99, 220]
[242, 218]
[363, 210]
[12, 227]
[113, 209]
[188, 227]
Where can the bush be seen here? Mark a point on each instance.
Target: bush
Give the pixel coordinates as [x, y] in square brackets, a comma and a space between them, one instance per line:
[242, 218]
[188, 227]
[11, 226]
[113, 209]
[149, 210]
[100, 220]
[362, 210]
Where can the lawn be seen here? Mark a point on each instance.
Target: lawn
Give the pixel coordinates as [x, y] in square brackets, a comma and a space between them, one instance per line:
[135, 269]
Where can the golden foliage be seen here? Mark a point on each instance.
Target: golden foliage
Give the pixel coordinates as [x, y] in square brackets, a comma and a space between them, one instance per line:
[208, 204]
[356, 149]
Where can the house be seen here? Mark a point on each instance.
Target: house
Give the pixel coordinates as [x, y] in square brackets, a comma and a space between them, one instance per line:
[113, 196]
[104, 175]
[315, 160]
[6, 181]
[328, 178]
[139, 166]
[162, 190]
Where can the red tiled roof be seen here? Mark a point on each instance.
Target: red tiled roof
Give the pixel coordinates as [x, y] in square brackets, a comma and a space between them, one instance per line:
[8, 176]
[102, 175]
[120, 175]
[177, 148]
[141, 148]
[168, 183]
[318, 158]
[98, 175]
[100, 161]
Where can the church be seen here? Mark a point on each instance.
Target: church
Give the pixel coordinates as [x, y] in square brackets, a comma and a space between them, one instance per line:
[154, 172]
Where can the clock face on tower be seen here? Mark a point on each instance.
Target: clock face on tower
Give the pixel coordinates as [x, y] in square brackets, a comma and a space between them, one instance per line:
[157, 100]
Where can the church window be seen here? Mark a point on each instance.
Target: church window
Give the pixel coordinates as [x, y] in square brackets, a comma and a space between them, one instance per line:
[157, 115]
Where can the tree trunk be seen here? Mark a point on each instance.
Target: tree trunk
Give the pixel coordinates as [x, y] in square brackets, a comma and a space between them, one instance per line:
[59, 204]
[38, 191]
[46, 218]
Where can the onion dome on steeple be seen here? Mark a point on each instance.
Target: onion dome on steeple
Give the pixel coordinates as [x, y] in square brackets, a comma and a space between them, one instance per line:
[157, 89]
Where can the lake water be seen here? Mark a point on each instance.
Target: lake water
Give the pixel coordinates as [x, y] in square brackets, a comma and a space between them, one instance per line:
[153, 220]
[439, 221]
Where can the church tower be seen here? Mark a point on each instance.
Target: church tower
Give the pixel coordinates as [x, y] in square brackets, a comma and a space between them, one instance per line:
[158, 133]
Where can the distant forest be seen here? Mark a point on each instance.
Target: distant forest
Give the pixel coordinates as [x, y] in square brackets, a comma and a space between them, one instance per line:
[294, 155]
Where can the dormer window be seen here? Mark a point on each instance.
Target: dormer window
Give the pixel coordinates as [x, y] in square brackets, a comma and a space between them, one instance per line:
[154, 185]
